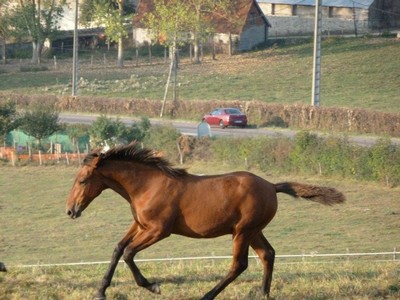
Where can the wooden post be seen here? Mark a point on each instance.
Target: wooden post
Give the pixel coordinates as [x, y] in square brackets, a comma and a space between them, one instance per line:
[180, 152]
[66, 156]
[136, 56]
[150, 54]
[12, 159]
[40, 157]
[79, 157]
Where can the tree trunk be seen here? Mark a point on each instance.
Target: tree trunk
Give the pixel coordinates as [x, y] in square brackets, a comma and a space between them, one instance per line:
[213, 48]
[36, 51]
[196, 51]
[120, 40]
[230, 52]
[120, 62]
[3, 51]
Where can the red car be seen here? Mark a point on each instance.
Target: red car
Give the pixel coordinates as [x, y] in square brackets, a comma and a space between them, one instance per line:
[224, 117]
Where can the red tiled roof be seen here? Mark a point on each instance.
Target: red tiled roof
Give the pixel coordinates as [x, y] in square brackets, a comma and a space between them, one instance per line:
[222, 24]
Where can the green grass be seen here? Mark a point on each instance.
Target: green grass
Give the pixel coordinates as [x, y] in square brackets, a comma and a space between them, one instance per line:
[356, 73]
[35, 228]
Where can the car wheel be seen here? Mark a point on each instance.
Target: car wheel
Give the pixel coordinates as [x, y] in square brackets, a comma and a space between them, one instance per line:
[221, 124]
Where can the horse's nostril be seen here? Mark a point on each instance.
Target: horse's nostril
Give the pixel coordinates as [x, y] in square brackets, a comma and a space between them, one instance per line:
[69, 212]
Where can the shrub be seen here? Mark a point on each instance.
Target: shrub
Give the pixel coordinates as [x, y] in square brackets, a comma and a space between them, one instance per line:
[163, 139]
[302, 157]
[384, 162]
[33, 68]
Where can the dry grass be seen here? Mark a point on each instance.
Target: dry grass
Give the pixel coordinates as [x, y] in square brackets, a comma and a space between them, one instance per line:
[182, 280]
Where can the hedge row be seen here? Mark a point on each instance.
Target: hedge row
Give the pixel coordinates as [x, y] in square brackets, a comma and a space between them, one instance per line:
[343, 120]
[307, 154]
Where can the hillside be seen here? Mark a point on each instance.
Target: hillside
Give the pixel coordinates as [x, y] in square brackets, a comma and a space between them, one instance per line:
[356, 73]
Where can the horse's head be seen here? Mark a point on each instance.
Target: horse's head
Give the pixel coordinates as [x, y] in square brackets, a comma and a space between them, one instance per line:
[87, 186]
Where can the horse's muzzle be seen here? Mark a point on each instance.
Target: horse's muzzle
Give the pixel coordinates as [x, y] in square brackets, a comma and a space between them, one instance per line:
[73, 212]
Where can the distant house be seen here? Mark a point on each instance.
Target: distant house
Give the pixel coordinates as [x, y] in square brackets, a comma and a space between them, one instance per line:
[250, 29]
[296, 18]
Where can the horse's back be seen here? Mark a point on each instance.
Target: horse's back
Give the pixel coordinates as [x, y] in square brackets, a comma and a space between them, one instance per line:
[219, 204]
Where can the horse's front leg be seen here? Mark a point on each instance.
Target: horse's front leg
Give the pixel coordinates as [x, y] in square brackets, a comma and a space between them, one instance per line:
[118, 251]
[143, 239]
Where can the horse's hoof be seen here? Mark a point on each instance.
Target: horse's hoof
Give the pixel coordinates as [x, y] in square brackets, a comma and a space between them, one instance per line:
[99, 296]
[154, 288]
[257, 293]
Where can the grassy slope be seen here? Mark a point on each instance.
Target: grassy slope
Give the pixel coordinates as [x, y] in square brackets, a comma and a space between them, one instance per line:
[355, 73]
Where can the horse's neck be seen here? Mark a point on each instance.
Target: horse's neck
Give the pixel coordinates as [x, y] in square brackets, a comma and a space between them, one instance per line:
[129, 179]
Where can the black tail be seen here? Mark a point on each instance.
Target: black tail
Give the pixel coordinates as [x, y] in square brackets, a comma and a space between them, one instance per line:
[324, 195]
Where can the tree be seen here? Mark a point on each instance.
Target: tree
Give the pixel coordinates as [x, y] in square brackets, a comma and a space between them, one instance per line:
[138, 131]
[38, 20]
[76, 132]
[5, 30]
[228, 10]
[200, 24]
[9, 119]
[40, 122]
[170, 23]
[114, 15]
[110, 132]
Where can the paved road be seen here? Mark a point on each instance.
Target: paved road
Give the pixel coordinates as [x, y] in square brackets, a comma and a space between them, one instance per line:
[190, 128]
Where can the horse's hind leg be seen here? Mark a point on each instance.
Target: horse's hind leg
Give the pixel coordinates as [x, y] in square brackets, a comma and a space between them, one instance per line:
[118, 251]
[239, 264]
[267, 256]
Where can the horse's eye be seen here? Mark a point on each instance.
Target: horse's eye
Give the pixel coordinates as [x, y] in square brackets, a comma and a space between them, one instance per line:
[83, 181]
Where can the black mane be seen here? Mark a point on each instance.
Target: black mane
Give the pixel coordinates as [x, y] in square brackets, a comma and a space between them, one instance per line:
[134, 153]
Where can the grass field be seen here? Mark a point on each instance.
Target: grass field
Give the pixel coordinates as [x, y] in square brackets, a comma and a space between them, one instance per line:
[35, 225]
[345, 280]
[357, 73]
[36, 230]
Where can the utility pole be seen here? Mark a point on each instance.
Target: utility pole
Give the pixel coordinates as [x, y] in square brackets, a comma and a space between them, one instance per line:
[317, 55]
[75, 53]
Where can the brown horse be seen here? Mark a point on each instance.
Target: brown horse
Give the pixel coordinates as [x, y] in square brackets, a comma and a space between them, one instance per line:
[166, 200]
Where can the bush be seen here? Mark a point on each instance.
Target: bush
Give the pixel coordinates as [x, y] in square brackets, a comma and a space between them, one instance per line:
[163, 139]
[33, 68]
[384, 161]
[302, 157]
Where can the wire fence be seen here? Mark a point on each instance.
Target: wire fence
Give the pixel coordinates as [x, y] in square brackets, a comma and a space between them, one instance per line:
[290, 258]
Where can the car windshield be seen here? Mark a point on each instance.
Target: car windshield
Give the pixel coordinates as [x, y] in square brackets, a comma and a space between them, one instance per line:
[233, 111]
